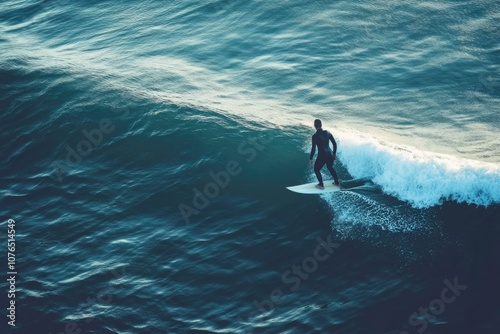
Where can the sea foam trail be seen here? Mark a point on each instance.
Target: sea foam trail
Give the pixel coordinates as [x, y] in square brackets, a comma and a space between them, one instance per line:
[421, 178]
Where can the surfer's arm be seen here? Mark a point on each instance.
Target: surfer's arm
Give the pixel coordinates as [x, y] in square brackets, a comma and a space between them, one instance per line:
[334, 143]
[313, 149]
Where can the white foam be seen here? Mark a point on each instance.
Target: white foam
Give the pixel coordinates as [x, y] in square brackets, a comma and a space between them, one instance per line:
[423, 179]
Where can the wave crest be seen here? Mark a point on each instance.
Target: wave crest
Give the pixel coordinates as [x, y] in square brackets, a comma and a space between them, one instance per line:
[423, 179]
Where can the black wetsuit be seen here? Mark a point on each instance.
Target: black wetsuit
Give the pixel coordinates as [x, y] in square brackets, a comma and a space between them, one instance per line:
[325, 155]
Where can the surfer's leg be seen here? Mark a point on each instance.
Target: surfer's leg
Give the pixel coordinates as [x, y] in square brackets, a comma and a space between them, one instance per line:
[329, 165]
[317, 169]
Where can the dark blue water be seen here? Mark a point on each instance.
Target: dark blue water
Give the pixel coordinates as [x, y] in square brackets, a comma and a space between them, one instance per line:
[146, 147]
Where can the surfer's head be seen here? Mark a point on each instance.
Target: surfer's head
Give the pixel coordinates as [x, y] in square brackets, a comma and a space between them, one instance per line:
[317, 124]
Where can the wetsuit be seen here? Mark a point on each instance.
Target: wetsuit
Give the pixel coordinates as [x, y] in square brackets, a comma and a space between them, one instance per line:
[325, 155]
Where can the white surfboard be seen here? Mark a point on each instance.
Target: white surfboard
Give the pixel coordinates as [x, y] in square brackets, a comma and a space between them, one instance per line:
[310, 188]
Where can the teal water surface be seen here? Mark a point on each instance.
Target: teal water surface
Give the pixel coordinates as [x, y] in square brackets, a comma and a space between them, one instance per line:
[146, 147]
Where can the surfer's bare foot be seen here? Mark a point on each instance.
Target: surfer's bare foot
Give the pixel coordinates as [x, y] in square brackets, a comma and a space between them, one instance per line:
[337, 183]
[320, 186]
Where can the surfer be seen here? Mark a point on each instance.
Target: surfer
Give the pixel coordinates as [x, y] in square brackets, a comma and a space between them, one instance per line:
[325, 155]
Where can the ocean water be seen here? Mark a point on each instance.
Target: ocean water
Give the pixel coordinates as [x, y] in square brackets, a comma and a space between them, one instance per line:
[146, 147]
